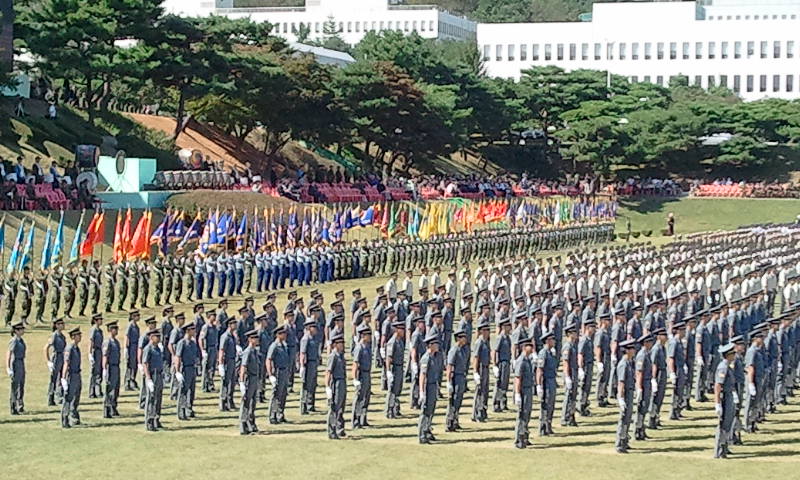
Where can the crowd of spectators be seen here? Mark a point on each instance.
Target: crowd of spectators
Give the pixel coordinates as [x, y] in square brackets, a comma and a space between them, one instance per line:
[41, 186]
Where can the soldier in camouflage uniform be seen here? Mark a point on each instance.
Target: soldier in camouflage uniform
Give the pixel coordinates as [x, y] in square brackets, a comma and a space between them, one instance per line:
[158, 279]
[95, 280]
[109, 280]
[83, 287]
[68, 285]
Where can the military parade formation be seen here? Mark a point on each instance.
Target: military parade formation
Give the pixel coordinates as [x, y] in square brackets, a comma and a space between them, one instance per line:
[711, 317]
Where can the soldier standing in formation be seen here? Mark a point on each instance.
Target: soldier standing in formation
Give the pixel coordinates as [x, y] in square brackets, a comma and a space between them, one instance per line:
[524, 381]
[54, 357]
[71, 381]
[336, 387]
[153, 362]
[15, 367]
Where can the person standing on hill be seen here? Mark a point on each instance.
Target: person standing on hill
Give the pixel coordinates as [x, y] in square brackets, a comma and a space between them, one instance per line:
[671, 224]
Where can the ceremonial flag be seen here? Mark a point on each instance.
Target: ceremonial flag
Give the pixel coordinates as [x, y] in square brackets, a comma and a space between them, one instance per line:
[348, 219]
[45, 263]
[211, 226]
[177, 228]
[3, 235]
[12, 260]
[385, 220]
[76, 241]
[87, 247]
[126, 234]
[325, 235]
[140, 247]
[222, 228]
[193, 233]
[255, 238]
[241, 233]
[367, 217]
[209, 230]
[291, 228]
[305, 230]
[26, 252]
[392, 222]
[58, 242]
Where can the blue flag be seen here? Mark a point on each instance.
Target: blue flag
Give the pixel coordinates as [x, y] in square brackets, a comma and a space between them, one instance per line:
[193, 233]
[367, 216]
[46, 248]
[26, 252]
[2, 235]
[12, 260]
[58, 243]
[241, 233]
[76, 242]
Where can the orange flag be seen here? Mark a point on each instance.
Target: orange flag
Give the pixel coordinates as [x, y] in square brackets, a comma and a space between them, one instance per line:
[126, 234]
[140, 241]
[87, 246]
[119, 248]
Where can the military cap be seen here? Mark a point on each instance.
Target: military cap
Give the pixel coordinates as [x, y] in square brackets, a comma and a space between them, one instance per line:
[388, 310]
[678, 325]
[362, 300]
[484, 323]
[222, 302]
[211, 313]
[547, 335]
[261, 317]
[97, 316]
[414, 304]
[379, 290]
[399, 324]
[338, 317]
[631, 343]
[570, 327]
[288, 309]
[737, 339]
[647, 337]
[188, 326]
[150, 320]
[775, 320]
[272, 296]
[154, 331]
[310, 322]
[363, 329]
[460, 332]
[111, 325]
[291, 294]
[198, 306]
[231, 320]
[660, 331]
[337, 337]
[132, 313]
[180, 315]
[436, 315]
[557, 304]
[466, 296]
[58, 320]
[357, 291]
[465, 309]
[248, 299]
[338, 292]
[637, 306]
[431, 338]
[18, 325]
[590, 322]
[75, 331]
[313, 293]
[268, 303]
[503, 301]
[314, 309]
[169, 308]
[725, 349]
[336, 304]
[525, 340]
[279, 329]
[432, 301]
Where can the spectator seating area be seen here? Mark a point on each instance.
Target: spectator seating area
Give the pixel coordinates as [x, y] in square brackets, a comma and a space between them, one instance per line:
[711, 190]
[36, 197]
[193, 179]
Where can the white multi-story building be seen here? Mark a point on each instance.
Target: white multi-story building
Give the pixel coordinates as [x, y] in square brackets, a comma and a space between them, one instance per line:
[733, 43]
[352, 18]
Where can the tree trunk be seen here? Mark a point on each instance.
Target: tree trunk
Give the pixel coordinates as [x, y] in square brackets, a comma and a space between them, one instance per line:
[89, 99]
[179, 125]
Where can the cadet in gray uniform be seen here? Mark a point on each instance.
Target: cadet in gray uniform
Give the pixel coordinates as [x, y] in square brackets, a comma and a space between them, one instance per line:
[132, 337]
[416, 349]
[481, 357]
[676, 365]
[724, 400]
[187, 355]
[278, 369]
[226, 363]
[569, 364]
[362, 367]
[754, 371]
[457, 363]
[71, 381]
[395, 347]
[15, 367]
[336, 387]
[96, 357]
[644, 383]
[249, 373]
[144, 340]
[524, 381]
[658, 361]
[209, 349]
[309, 362]
[626, 383]
[112, 354]
[54, 355]
[430, 372]
[586, 365]
[502, 364]
[153, 363]
[546, 366]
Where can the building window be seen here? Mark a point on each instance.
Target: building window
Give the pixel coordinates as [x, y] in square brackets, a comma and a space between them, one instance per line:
[724, 50]
[405, 26]
[380, 26]
[737, 49]
[737, 83]
[789, 83]
[622, 51]
[723, 81]
[422, 26]
[749, 83]
[341, 26]
[316, 27]
[790, 49]
[711, 81]
[498, 53]
[660, 50]
[776, 83]
[511, 49]
[358, 26]
[776, 49]
[762, 83]
[548, 51]
[648, 50]
[349, 27]
[755, 17]
[763, 49]
[673, 50]
[584, 51]
[635, 51]
[698, 50]
[597, 50]
[609, 51]
[523, 52]
[712, 50]
[634, 79]
[660, 80]
[751, 49]
[698, 80]
[572, 51]
[430, 26]
[487, 52]
[535, 52]
[685, 50]
[414, 26]
[560, 51]
[647, 78]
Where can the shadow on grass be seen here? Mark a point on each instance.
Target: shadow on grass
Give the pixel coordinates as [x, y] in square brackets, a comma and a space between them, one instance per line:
[647, 205]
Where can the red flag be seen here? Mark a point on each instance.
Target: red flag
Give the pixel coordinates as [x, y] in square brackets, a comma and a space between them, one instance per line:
[139, 247]
[100, 229]
[385, 221]
[87, 247]
[126, 234]
[119, 248]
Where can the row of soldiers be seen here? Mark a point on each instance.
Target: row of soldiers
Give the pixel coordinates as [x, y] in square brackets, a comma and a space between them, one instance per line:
[180, 277]
[417, 340]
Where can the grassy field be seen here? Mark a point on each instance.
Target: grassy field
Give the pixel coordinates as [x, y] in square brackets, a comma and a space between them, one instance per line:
[34, 445]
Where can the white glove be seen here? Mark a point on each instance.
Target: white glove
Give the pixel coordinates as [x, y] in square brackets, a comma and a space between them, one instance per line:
[238, 350]
[328, 393]
[518, 399]
[50, 366]
[105, 374]
[654, 384]
[204, 354]
[751, 388]
[496, 371]
[736, 398]
[599, 367]
[539, 391]
[91, 359]
[450, 388]
[780, 366]
[221, 370]
[685, 369]
[613, 358]
[303, 372]
[414, 368]
[272, 380]
[356, 383]
[700, 361]
[567, 382]
[10, 372]
[389, 376]
[141, 368]
[422, 398]
[179, 376]
[581, 374]
[638, 396]
[150, 385]
[476, 377]
[718, 409]
[672, 377]
[621, 402]
[241, 388]
[64, 384]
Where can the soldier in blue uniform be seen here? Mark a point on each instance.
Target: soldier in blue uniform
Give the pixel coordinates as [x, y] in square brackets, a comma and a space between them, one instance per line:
[644, 383]
[132, 336]
[187, 355]
[502, 365]
[602, 357]
[54, 355]
[71, 381]
[430, 373]
[618, 335]
[658, 361]
[586, 355]
[457, 362]
[416, 348]
[739, 375]
[703, 356]
[226, 364]
[481, 359]
[15, 367]
[362, 367]
[144, 340]
[546, 367]
[724, 400]
[395, 348]
[153, 362]
[677, 369]
[248, 376]
[754, 372]
[569, 365]
[208, 342]
[336, 387]
[626, 384]
[309, 362]
[95, 357]
[278, 371]
[524, 381]
[112, 354]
